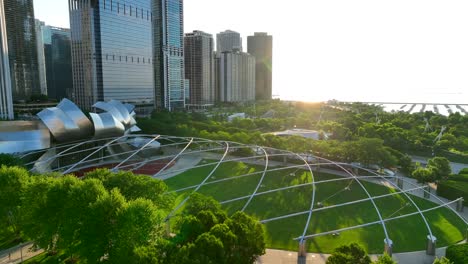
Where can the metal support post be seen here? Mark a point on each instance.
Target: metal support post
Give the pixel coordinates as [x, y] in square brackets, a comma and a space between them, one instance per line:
[302, 249]
[168, 227]
[431, 245]
[460, 205]
[400, 182]
[388, 247]
[427, 192]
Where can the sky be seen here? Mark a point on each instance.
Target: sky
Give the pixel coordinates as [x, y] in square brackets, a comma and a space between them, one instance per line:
[359, 50]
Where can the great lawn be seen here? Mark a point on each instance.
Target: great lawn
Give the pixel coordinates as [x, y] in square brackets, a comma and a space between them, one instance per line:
[408, 234]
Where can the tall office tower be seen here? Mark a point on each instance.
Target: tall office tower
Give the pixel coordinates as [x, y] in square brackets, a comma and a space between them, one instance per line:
[199, 67]
[6, 101]
[168, 43]
[58, 62]
[228, 41]
[260, 45]
[39, 26]
[22, 49]
[111, 51]
[236, 77]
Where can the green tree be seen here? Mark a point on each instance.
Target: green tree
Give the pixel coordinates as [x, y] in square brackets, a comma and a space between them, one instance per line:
[424, 175]
[442, 260]
[10, 160]
[13, 184]
[349, 254]
[384, 259]
[440, 166]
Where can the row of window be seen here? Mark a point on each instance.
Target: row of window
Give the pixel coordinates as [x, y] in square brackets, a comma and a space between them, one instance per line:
[127, 9]
[128, 59]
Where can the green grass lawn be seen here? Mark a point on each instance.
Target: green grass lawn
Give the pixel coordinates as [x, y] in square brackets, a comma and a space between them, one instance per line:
[408, 234]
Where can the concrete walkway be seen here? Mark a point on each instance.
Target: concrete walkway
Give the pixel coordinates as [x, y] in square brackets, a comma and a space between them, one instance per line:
[18, 253]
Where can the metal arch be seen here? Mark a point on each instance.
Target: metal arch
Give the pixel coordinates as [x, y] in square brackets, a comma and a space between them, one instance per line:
[94, 152]
[336, 205]
[78, 117]
[407, 196]
[380, 222]
[60, 125]
[201, 184]
[106, 125]
[259, 182]
[368, 194]
[175, 157]
[135, 153]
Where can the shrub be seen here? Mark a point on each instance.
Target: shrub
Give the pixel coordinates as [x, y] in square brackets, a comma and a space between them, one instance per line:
[464, 171]
[453, 190]
[459, 177]
[458, 254]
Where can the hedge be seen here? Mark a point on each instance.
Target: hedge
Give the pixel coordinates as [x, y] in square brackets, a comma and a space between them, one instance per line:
[453, 190]
[458, 254]
[464, 172]
[459, 177]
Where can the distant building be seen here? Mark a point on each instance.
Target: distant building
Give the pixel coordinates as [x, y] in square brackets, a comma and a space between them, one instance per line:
[41, 61]
[168, 46]
[260, 45]
[199, 68]
[311, 134]
[236, 80]
[6, 101]
[111, 43]
[235, 116]
[22, 49]
[57, 47]
[228, 41]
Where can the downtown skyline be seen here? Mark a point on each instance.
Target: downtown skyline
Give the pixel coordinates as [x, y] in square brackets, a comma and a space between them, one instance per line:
[412, 50]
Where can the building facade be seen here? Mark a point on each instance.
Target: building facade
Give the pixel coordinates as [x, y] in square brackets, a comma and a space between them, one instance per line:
[111, 51]
[236, 77]
[260, 45]
[22, 49]
[57, 50]
[199, 68]
[168, 50]
[228, 41]
[41, 61]
[6, 101]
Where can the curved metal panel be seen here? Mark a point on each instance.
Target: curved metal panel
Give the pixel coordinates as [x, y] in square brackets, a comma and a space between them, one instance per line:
[130, 108]
[23, 136]
[78, 117]
[106, 125]
[123, 111]
[61, 126]
[106, 107]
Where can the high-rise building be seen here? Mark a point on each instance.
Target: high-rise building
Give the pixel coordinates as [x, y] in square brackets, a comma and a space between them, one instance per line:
[260, 45]
[6, 101]
[22, 49]
[168, 44]
[41, 61]
[111, 51]
[199, 67]
[236, 77]
[228, 41]
[58, 62]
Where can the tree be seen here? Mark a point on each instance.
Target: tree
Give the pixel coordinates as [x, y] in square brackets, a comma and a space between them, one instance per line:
[349, 254]
[10, 160]
[13, 184]
[440, 166]
[384, 259]
[442, 260]
[424, 175]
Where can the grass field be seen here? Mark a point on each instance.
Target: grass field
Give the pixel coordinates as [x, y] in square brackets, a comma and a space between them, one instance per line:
[408, 234]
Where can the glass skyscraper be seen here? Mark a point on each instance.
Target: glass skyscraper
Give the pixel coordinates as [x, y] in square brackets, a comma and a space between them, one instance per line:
[22, 49]
[111, 43]
[6, 102]
[168, 38]
[260, 45]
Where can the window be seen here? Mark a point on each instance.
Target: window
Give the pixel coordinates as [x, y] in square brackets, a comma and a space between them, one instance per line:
[136, 11]
[125, 10]
[118, 7]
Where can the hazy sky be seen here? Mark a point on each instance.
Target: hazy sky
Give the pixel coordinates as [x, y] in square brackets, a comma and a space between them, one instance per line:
[398, 50]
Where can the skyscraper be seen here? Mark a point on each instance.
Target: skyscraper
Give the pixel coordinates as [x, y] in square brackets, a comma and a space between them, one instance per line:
[260, 45]
[228, 41]
[6, 101]
[168, 43]
[58, 62]
[111, 51]
[41, 63]
[22, 49]
[236, 77]
[199, 67]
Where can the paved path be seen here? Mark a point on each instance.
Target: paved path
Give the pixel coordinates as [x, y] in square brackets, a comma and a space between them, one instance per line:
[456, 167]
[18, 253]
